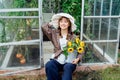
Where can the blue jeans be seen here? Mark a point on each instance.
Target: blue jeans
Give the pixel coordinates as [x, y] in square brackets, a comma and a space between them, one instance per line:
[53, 68]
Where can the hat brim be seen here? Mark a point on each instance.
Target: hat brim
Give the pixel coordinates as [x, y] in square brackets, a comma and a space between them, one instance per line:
[56, 17]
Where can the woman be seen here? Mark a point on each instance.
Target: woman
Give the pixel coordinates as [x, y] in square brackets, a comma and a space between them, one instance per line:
[59, 31]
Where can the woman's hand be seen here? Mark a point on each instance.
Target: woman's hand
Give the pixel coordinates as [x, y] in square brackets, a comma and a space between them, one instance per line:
[75, 61]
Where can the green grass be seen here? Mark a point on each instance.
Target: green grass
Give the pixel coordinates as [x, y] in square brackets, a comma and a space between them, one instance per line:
[112, 73]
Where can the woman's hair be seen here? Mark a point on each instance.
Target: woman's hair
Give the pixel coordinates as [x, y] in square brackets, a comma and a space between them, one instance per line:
[69, 28]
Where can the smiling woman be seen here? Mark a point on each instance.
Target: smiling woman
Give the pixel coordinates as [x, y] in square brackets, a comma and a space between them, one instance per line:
[60, 31]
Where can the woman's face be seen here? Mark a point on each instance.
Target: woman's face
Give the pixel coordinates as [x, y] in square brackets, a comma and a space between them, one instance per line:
[64, 23]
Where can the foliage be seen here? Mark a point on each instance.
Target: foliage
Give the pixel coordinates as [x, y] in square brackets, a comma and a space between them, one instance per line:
[22, 23]
[12, 26]
[88, 57]
[2, 36]
[73, 7]
[23, 3]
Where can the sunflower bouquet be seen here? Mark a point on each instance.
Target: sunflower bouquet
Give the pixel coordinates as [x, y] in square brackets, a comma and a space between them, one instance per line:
[76, 44]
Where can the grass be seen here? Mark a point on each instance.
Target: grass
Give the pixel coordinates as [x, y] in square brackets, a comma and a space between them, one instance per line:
[112, 73]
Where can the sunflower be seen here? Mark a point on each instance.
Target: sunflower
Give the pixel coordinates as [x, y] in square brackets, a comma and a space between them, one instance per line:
[77, 40]
[82, 44]
[80, 49]
[69, 43]
[70, 50]
[76, 45]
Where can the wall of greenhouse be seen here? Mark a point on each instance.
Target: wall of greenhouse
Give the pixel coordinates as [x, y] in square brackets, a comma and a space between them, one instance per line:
[21, 36]
[100, 29]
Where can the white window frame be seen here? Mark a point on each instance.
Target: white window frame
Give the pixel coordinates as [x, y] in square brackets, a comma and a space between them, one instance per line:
[82, 35]
[27, 42]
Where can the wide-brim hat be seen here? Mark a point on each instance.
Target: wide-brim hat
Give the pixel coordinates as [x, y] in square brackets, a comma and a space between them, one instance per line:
[55, 18]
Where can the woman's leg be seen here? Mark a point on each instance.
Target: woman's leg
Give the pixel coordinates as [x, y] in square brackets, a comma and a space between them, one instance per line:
[52, 68]
[68, 70]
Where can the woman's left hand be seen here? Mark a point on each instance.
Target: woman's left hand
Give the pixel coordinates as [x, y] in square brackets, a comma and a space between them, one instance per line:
[75, 61]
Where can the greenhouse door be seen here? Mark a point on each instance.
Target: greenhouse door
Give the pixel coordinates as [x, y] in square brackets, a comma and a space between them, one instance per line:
[20, 35]
[100, 26]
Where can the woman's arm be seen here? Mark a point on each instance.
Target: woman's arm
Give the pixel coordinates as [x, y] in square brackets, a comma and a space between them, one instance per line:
[46, 28]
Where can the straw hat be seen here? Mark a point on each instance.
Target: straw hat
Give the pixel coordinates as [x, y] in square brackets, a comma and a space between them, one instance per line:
[56, 17]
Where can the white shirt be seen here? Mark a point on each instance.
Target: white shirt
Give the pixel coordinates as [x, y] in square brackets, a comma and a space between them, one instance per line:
[61, 58]
[63, 42]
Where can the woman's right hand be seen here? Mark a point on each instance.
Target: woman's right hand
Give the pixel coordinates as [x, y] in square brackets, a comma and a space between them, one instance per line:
[75, 61]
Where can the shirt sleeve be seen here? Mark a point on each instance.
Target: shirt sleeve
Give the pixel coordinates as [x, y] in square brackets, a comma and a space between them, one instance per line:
[46, 28]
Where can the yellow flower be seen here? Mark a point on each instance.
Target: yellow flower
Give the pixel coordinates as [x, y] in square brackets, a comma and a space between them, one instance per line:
[70, 50]
[77, 40]
[69, 43]
[80, 50]
[82, 44]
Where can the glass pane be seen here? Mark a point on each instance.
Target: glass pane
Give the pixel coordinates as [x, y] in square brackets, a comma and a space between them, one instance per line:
[108, 49]
[104, 29]
[91, 30]
[115, 7]
[111, 50]
[106, 7]
[3, 51]
[93, 7]
[101, 29]
[106, 4]
[49, 6]
[19, 4]
[93, 54]
[16, 56]
[114, 28]
[18, 29]
[98, 7]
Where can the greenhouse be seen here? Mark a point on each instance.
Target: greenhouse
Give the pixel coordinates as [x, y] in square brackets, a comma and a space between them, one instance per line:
[22, 41]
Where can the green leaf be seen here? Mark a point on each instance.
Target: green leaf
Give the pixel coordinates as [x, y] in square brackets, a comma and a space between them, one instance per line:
[65, 53]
